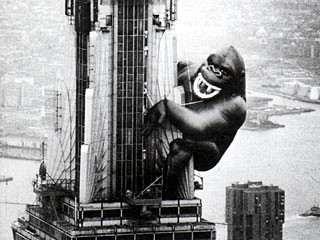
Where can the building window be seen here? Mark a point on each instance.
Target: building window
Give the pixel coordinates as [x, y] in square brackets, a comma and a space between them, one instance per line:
[182, 236]
[201, 235]
[164, 236]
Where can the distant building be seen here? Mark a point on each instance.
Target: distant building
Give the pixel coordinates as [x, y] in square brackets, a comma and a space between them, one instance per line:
[254, 211]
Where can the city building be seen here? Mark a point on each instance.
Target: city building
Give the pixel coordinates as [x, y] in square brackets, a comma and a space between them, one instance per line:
[101, 178]
[254, 211]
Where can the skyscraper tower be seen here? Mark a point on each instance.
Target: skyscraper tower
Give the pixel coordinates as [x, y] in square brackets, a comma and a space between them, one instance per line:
[100, 179]
[254, 211]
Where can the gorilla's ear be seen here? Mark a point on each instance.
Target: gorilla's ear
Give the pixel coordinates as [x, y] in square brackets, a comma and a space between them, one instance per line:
[181, 65]
[243, 73]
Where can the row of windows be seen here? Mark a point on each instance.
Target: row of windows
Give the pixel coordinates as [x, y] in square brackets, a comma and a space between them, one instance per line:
[132, 27]
[133, 77]
[130, 58]
[131, 94]
[128, 164]
[156, 236]
[133, 9]
[133, 2]
[129, 150]
[126, 106]
[133, 212]
[129, 136]
[48, 229]
[129, 70]
[131, 74]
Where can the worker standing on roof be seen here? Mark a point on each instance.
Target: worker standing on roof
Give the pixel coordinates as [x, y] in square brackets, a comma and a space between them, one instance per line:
[42, 171]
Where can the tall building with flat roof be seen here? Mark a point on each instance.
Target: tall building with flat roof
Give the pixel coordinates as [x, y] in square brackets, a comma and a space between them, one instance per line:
[254, 211]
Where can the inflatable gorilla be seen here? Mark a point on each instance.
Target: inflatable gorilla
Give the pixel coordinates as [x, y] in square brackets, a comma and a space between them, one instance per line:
[215, 92]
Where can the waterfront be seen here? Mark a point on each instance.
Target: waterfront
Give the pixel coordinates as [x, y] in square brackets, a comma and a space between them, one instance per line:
[287, 157]
[19, 190]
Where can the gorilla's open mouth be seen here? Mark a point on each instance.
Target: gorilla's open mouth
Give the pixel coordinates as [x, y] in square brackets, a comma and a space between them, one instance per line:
[203, 89]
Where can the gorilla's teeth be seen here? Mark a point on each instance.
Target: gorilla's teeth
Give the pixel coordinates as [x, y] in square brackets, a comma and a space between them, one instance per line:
[204, 89]
[215, 88]
[210, 86]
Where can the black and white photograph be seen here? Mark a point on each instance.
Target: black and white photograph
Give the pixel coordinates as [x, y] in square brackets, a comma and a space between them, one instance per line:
[159, 120]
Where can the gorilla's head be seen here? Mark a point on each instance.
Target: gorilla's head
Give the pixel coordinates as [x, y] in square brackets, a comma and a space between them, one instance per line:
[223, 72]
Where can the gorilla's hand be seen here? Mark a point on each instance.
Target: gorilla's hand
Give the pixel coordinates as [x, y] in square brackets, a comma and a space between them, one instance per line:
[154, 118]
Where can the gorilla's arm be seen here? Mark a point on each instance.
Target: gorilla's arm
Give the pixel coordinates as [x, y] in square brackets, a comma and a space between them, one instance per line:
[195, 123]
[204, 122]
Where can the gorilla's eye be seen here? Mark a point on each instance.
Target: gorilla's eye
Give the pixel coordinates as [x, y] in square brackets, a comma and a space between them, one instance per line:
[224, 72]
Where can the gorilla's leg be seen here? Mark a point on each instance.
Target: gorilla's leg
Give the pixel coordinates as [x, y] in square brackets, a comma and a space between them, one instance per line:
[178, 157]
[205, 154]
[176, 161]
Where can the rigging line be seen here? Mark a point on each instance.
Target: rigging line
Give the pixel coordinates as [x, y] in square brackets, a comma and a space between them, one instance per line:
[64, 122]
[70, 127]
[103, 136]
[71, 160]
[59, 178]
[66, 169]
[64, 142]
[50, 150]
[103, 113]
[96, 112]
[58, 136]
[60, 158]
[70, 138]
[166, 69]
[63, 145]
[168, 77]
[158, 56]
[166, 74]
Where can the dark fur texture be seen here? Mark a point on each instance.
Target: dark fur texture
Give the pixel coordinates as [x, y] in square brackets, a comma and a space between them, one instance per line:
[208, 125]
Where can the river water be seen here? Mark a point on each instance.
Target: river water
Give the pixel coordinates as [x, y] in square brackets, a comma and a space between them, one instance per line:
[287, 157]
